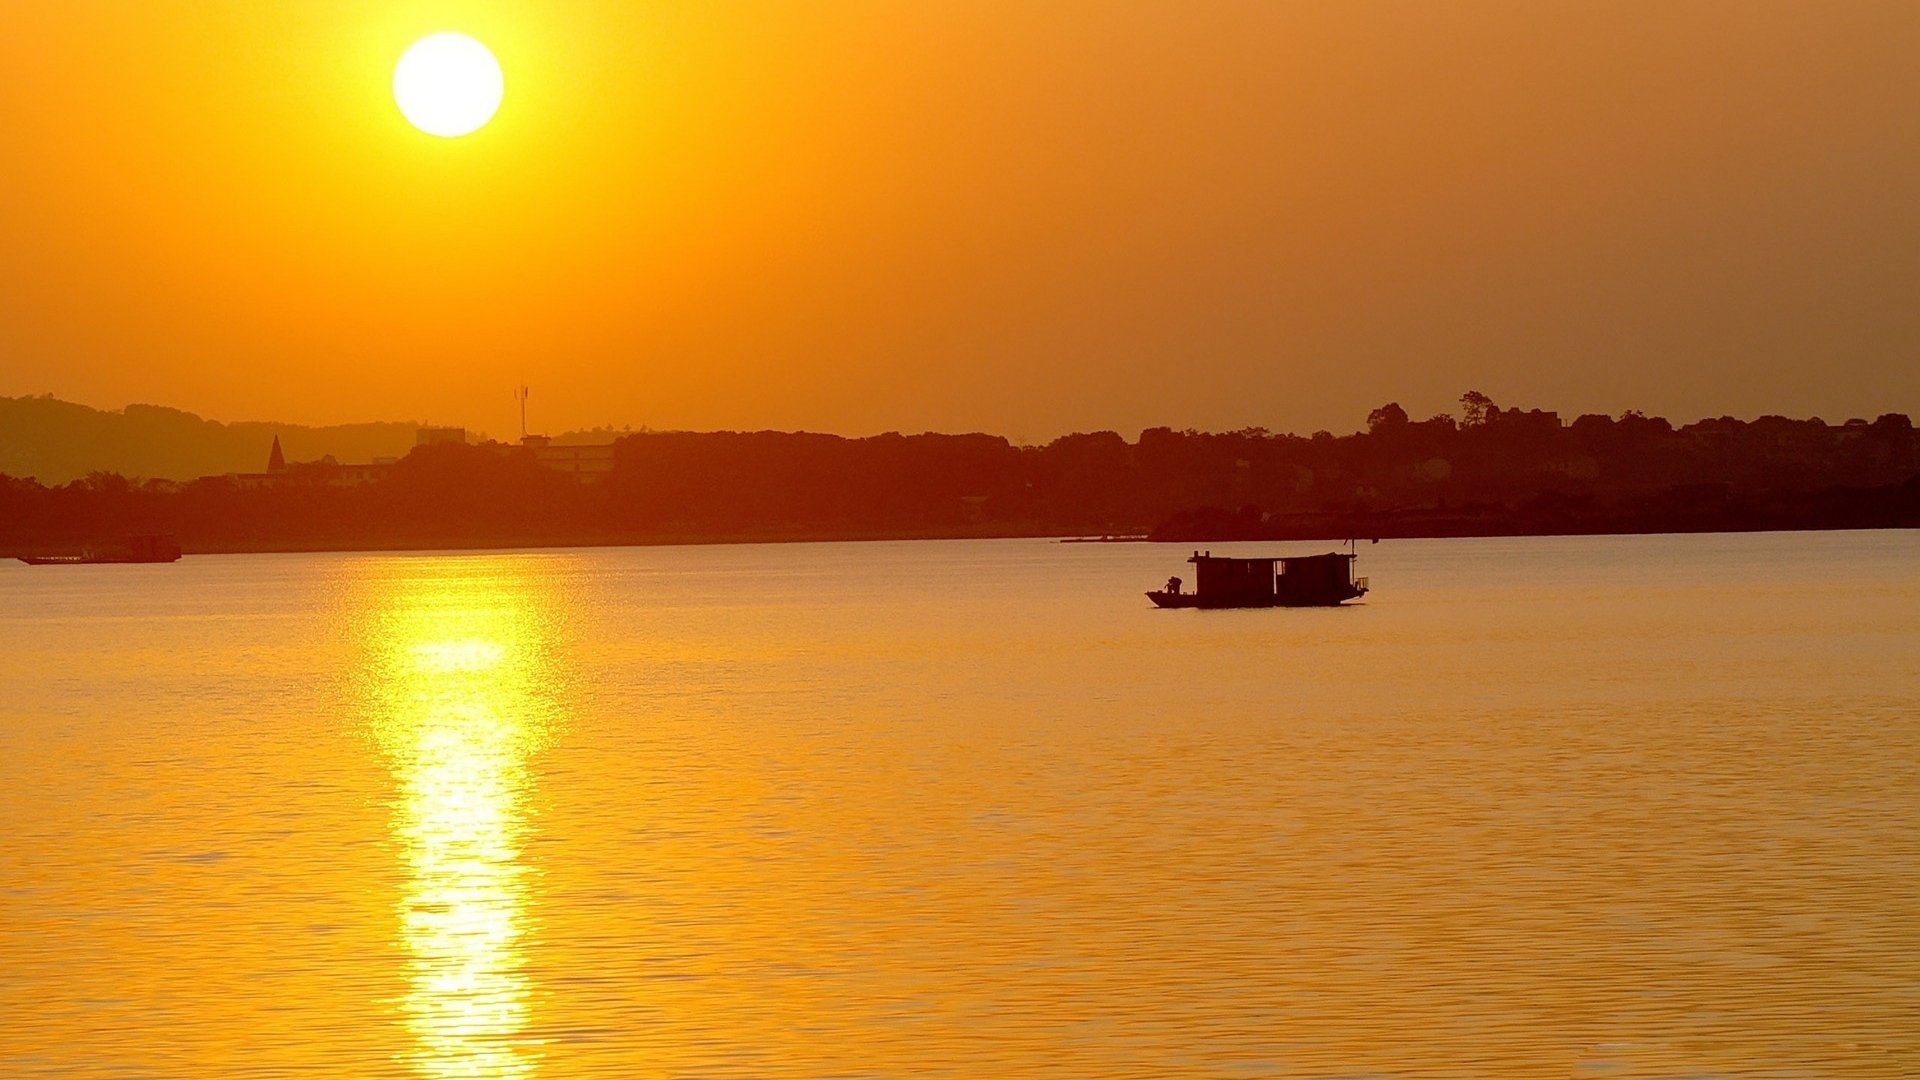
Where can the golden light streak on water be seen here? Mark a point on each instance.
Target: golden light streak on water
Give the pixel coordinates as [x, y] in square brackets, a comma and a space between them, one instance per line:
[461, 708]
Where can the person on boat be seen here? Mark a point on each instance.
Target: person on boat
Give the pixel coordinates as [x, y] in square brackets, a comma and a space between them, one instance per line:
[1173, 585]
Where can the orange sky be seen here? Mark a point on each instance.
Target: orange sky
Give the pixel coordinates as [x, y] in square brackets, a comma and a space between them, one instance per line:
[1007, 215]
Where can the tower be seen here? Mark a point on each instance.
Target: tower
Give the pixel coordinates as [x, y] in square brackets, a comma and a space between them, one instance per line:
[276, 461]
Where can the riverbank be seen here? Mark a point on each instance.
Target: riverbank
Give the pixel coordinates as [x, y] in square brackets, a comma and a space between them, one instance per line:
[1296, 532]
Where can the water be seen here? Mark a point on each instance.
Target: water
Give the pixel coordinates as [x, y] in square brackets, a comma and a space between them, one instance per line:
[1594, 807]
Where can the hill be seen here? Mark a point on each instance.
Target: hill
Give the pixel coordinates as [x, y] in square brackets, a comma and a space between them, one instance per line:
[57, 441]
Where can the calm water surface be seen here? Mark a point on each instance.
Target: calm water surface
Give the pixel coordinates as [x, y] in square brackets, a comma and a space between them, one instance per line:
[1547, 807]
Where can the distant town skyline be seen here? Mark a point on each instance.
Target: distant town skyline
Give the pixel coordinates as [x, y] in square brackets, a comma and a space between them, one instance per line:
[1025, 219]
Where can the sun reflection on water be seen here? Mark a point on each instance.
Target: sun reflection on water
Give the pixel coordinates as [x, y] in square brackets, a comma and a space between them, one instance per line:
[462, 692]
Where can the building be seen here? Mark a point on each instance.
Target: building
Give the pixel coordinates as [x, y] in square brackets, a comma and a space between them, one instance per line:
[326, 471]
[336, 475]
[585, 462]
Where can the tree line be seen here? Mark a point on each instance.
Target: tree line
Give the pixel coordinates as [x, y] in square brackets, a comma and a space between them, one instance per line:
[1492, 470]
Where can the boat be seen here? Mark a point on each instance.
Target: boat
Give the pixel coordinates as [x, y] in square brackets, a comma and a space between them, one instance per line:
[1299, 581]
[138, 549]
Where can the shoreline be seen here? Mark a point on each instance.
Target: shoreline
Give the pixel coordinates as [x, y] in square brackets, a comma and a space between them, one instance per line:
[319, 546]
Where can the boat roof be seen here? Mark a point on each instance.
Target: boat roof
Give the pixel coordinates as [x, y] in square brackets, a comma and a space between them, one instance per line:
[1269, 559]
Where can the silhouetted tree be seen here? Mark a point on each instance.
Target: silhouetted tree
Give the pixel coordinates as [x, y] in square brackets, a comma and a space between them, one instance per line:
[1474, 407]
[1390, 415]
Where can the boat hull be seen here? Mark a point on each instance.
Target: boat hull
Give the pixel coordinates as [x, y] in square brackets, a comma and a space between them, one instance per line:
[151, 548]
[90, 560]
[1162, 598]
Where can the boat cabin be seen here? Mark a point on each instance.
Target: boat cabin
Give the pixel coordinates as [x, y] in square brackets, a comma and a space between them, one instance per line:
[1300, 581]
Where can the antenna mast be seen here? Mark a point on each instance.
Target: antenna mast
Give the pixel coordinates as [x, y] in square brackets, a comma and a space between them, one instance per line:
[520, 395]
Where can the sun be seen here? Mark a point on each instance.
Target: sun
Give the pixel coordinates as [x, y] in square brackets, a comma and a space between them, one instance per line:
[447, 84]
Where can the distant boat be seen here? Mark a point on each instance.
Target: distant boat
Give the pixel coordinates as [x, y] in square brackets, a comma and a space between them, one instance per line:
[137, 549]
[1302, 581]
